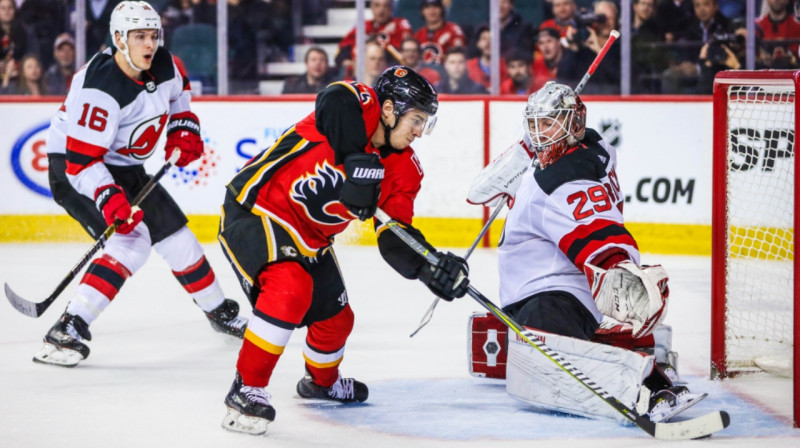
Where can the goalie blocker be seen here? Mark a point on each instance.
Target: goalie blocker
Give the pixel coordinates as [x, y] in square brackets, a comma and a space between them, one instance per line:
[487, 345]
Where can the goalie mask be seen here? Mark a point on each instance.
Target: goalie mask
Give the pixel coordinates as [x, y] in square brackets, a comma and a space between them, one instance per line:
[555, 119]
[407, 90]
[129, 16]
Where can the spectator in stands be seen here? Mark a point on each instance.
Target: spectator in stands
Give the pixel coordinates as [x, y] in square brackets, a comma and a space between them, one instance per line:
[547, 58]
[412, 58]
[30, 80]
[563, 17]
[316, 77]
[479, 68]
[374, 61]
[514, 31]
[59, 75]
[14, 38]
[693, 71]
[776, 25]
[674, 16]
[581, 52]
[518, 65]
[183, 12]
[455, 79]
[649, 61]
[437, 35]
[98, 17]
[388, 30]
[46, 20]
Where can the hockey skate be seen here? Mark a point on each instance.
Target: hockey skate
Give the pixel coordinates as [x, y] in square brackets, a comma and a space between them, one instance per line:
[344, 390]
[62, 344]
[249, 409]
[669, 402]
[226, 319]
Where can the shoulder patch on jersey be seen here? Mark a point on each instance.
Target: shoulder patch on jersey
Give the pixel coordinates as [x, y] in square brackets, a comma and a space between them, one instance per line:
[588, 162]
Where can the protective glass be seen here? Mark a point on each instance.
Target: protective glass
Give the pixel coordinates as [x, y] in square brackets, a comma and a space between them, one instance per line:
[422, 125]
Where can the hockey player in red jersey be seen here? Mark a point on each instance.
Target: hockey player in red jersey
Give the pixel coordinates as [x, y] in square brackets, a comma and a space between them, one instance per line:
[282, 212]
[117, 108]
[437, 35]
[566, 260]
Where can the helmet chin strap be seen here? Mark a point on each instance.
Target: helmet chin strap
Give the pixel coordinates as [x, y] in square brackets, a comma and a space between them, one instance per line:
[127, 55]
[387, 135]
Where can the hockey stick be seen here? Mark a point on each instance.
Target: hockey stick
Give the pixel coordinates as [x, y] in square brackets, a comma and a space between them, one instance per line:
[34, 309]
[683, 430]
[429, 314]
[611, 38]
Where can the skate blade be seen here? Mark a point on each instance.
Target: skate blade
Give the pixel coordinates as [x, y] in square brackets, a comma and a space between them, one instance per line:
[57, 356]
[678, 409]
[237, 422]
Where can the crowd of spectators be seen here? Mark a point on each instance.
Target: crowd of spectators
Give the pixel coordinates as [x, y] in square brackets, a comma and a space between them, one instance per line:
[677, 46]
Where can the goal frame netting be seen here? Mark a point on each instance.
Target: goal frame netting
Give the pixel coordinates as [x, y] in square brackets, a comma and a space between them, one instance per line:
[720, 366]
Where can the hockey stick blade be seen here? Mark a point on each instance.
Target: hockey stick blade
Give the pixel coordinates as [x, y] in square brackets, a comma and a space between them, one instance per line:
[695, 428]
[25, 307]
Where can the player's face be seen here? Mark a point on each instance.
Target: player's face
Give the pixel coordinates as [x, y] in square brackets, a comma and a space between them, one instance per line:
[142, 45]
[410, 127]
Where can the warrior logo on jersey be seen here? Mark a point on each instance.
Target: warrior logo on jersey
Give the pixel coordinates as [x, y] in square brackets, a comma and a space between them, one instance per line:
[611, 131]
[318, 193]
[144, 138]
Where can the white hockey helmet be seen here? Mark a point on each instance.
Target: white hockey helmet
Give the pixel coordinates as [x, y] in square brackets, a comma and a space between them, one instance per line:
[134, 15]
[555, 119]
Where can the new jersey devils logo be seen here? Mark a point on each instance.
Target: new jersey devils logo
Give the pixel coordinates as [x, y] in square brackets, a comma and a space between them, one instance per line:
[318, 193]
[143, 139]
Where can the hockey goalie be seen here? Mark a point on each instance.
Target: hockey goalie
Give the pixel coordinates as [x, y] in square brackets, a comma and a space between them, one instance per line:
[570, 271]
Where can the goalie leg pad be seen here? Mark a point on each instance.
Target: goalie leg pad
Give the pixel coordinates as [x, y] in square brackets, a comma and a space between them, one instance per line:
[535, 379]
[487, 339]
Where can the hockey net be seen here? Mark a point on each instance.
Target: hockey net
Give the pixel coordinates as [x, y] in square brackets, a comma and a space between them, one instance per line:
[754, 282]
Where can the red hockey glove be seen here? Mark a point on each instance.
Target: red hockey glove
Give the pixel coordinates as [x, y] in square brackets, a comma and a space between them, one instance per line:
[111, 201]
[183, 132]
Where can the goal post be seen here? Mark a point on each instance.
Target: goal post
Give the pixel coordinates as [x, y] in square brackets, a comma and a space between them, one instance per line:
[755, 311]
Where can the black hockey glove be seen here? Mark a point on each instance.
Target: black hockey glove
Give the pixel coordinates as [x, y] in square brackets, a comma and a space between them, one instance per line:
[448, 279]
[362, 188]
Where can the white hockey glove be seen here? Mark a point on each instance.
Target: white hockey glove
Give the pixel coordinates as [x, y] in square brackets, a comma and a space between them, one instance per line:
[631, 294]
[501, 178]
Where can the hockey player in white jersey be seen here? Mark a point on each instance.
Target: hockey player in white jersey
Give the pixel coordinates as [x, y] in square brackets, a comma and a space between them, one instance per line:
[566, 260]
[117, 108]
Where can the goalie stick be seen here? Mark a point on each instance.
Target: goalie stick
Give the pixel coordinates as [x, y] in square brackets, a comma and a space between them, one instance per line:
[683, 430]
[578, 89]
[34, 309]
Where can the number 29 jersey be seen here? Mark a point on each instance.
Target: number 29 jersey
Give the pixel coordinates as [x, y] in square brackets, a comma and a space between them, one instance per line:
[562, 217]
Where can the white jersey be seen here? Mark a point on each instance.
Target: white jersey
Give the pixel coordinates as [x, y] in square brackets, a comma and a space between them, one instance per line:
[111, 118]
[563, 216]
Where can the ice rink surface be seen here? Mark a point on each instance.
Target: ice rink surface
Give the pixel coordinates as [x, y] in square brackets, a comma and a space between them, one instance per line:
[158, 374]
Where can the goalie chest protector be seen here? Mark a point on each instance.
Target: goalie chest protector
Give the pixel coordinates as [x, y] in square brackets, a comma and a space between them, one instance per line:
[487, 346]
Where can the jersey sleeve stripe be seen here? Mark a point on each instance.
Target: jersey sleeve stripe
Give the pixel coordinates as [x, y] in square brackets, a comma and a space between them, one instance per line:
[580, 244]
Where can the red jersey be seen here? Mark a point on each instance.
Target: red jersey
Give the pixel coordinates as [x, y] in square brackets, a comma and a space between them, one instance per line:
[392, 32]
[297, 181]
[788, 28]
[476, 73]
[540, 74]
[434, 44]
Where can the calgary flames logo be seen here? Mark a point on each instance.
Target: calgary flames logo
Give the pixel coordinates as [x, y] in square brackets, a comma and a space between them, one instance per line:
[400, 72]
[318, 193]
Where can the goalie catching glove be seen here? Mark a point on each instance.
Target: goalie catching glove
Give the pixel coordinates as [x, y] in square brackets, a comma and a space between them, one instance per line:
[632, 294]
[112, 203]
[448, 278]
[183, 132]
[362, 187]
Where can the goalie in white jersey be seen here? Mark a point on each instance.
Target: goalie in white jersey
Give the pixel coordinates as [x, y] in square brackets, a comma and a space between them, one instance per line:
[117, 108]
[566, 260]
